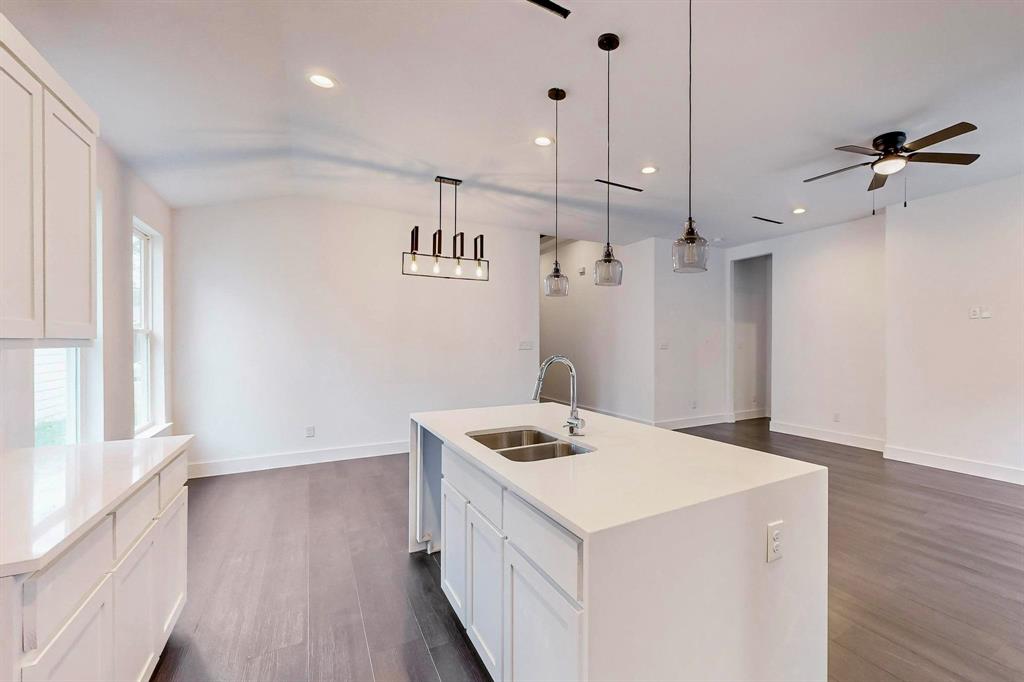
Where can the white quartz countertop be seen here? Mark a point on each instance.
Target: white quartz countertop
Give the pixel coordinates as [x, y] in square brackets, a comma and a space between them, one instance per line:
[635, 471]
[50, 496]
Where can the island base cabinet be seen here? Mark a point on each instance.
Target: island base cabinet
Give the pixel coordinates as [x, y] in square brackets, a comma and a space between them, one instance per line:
[485, 547]
[135, 634]
[543, 628]
[83, 649]
[453, 548]
[171, 553]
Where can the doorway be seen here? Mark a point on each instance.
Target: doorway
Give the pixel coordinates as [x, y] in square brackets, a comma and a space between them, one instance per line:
[752, 337]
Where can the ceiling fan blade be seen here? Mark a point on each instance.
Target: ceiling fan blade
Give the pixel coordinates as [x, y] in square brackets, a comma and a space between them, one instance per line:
[941, 136]
[877, 182]
[942, 157]
[841, 170]
[767, 220]
[857, 150]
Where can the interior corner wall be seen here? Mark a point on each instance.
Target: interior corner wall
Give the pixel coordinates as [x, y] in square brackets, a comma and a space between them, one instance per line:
[955, 384]
[293, 312]
[607, 332]
[828, 331]
[123, 197]
[689, 343]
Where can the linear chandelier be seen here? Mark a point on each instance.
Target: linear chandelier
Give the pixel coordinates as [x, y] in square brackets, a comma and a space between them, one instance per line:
[437, 264]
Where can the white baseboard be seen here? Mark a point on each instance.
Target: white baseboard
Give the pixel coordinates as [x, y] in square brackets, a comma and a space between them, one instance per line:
[856, 440]
[690, 422]
[278, 460]
[591, 408]
[961, 465]
[757, 413]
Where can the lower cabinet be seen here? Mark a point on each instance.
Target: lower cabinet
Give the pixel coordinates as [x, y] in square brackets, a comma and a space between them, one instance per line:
[83, 649]
[485, 547]
[543, 627]
[453, 548]
[171, 554]
[134, 611]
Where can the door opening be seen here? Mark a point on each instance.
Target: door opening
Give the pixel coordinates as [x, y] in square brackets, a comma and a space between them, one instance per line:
[752, 337]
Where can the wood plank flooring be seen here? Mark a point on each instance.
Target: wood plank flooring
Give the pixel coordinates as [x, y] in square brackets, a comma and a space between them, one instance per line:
[302, 574]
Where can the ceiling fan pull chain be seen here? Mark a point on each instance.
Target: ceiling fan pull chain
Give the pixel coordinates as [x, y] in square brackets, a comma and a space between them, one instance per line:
[905, 188]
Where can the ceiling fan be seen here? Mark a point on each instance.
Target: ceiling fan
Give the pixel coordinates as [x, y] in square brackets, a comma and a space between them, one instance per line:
[893, 155]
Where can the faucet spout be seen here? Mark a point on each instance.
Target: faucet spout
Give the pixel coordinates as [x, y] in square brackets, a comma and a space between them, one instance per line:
[575, 423]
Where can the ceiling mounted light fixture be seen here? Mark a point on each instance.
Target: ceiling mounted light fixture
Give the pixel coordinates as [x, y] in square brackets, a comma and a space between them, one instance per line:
[690, 251]
[321, 81]
[608, 269]
[556, 283]
[542, 141]
[798, 211]
[648, 170]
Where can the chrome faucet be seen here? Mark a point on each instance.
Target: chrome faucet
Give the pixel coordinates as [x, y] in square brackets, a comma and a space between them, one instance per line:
[574, 422]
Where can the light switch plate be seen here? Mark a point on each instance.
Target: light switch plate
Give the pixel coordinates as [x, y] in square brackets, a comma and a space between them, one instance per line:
[526, 345]
[663, 345]
[774, 547]
[582, 270]
[974, 312]
[986, 312]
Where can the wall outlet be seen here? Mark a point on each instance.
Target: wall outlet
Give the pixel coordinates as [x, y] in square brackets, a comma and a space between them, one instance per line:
[974, 312]
[774, 547]
[663, 345]
[986, 312]
[310, 432]
[582, 270]
[526, 345]
[835, 417]
[693, 405]
[753, 401]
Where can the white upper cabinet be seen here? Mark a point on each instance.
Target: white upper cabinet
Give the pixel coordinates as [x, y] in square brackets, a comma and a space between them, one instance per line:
[69, 169]
[21, 201]
[47, 199]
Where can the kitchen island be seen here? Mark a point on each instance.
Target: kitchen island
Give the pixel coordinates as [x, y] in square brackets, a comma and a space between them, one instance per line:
[649, 555]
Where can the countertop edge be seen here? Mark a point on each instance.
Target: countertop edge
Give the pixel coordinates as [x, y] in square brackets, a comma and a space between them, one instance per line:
[16, 568]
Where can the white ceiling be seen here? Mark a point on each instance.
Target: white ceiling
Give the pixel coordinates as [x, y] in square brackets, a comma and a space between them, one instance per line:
[208, 102]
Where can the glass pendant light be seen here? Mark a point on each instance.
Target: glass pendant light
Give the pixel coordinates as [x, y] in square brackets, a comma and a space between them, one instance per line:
[556, 284]
[608, 269]
[690, 251]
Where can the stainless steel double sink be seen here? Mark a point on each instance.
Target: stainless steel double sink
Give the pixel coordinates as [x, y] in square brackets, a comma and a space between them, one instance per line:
[527, 444]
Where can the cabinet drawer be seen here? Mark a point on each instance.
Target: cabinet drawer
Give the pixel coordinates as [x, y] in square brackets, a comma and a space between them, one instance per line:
[482, 491]
[551, 547]
[172, 478]
[135, 515]
[51, 595]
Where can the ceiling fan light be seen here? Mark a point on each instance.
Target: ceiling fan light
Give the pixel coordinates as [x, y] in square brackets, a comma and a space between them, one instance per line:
[889, 164]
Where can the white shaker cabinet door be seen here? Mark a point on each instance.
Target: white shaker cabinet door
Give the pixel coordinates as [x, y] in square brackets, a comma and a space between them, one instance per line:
[21, 201]
[83, 649]
[485, 568]
[134, 612]
[453, 548]
[69, 170]
[171, 566]
[543, 627]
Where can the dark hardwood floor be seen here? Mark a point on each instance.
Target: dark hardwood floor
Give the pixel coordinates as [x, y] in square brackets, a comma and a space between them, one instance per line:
[302, 574]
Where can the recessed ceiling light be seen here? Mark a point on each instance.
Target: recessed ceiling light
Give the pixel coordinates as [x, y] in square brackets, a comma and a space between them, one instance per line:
[798, 211]
[321, 81]
[542, 141]
[647, 170]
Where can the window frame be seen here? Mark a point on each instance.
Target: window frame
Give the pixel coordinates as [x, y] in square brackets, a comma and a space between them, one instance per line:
[144, 328]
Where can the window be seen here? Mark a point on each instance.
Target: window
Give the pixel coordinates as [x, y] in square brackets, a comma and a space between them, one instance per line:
[142, 324]
[55, 378]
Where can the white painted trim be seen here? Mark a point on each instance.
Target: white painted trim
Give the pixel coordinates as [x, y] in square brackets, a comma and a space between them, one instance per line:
[961, 465]
[591, 408]
[278, 460]
[853, 439]
[690, 422]
[155, 430]
[756, 413]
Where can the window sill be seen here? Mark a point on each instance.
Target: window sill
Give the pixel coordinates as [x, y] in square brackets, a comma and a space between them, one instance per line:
[155, 430]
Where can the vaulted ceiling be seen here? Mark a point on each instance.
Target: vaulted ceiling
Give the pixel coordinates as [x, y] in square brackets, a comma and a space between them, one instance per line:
[209, 102]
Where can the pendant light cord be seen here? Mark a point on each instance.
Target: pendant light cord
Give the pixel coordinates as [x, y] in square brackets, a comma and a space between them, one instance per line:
[608, 187]
[556, 182]
[689, 172]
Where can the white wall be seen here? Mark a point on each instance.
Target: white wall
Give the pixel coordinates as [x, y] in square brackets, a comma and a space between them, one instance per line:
[607, 332]
[690, 321]
[292, 312]
[955, 388]
[751, 348]
[828, 331]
